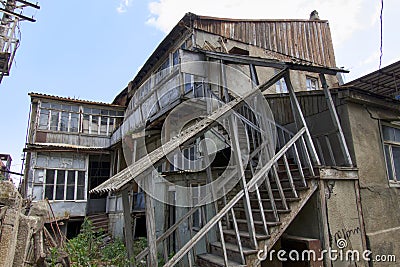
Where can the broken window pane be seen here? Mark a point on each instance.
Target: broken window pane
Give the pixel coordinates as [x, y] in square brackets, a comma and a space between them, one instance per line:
[311, 83]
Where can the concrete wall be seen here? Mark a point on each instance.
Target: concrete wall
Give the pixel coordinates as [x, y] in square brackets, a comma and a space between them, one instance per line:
[380, 202]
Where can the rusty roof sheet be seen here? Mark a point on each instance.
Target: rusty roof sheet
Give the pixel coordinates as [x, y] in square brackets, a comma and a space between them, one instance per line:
[58, 146]
[385, 81]
[74, 100]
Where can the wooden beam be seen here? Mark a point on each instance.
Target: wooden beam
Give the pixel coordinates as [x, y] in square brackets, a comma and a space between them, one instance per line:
[126, 205]
[150, 226]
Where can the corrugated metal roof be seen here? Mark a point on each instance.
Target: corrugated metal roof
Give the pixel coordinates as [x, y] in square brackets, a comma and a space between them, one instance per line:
[308, 40]
[385, 81]
[60, 98]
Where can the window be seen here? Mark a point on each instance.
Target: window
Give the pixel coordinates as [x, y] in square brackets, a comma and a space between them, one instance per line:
[64, 184]
[391, 140]
[188, 82]
[196, 196]
[59, 117]
[67, 118]
[280, 85]
[311, 83]
[100, 121]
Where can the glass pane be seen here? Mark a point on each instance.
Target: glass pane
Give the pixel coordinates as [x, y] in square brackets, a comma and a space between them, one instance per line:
[188, 82]
[85, 123]
[81, 178]
[111, 127]
[95, 111]
[75, 108]
[74, 126]
[95, 124]
[64, 121]
[388, 133]
[55, 106]
[103, 126]
[45, 105]
[388, 163]
[44, 119]
[396, 160]
[50, 176]
[396, 134]
[70, 185]
[175, 57]
[66, 107]
[54, 120]
[60, 185]
[49, 192]
[80, 194]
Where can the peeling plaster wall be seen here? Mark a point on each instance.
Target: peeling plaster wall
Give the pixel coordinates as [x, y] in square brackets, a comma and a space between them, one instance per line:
[380, 202]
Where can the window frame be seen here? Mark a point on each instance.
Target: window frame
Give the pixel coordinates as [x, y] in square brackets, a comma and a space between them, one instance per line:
[390, 144]
[82, 117]
[55, 184]
[312, 79]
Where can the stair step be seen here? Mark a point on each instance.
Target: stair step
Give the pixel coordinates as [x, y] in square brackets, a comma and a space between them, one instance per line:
[211, 260]
[258, 225]
[269, 214]
[232, 251]
[258, 222]
[230, 237]
[235, 248]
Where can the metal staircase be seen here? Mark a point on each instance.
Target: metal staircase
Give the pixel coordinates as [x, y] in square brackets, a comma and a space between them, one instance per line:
[275, 183]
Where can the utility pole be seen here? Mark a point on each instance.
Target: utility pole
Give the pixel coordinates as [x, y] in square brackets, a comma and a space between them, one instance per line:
[9, 42]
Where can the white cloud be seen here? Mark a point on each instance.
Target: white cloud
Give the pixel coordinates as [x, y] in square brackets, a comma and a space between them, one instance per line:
[123, 6]
[345, 16]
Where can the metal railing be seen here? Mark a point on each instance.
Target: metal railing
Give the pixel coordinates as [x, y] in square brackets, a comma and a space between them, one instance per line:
[259, 176]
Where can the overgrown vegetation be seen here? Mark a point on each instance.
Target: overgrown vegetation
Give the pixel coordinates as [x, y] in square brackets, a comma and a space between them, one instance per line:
[89, 250]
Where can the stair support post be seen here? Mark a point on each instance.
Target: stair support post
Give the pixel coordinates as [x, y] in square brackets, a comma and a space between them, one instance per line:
[150, 224]
[298, 115]
[241, 172]
[336, 122]
[126, 205]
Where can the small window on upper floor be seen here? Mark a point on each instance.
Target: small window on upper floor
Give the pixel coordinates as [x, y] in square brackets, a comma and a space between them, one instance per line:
[391, 142]
[311, 83]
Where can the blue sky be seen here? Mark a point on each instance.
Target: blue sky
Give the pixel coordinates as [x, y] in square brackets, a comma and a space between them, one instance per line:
[92, 49]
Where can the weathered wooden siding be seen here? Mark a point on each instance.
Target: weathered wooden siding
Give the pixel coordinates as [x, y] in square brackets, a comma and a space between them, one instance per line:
[308, 40]
[73, 139]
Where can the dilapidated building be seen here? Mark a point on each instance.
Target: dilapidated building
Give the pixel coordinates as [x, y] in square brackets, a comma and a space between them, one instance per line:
[234, 138]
